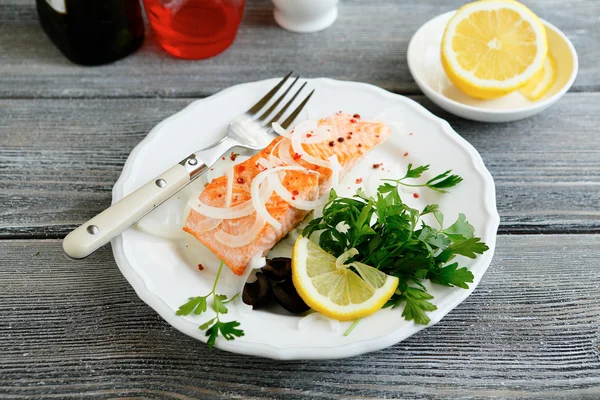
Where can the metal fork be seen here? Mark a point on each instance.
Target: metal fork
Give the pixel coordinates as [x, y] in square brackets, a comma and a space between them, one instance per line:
[250, 130]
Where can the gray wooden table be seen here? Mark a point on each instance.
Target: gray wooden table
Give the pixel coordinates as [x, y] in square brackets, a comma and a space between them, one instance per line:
[77, 329]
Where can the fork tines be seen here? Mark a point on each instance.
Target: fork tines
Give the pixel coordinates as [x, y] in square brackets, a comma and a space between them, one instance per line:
[263, 118]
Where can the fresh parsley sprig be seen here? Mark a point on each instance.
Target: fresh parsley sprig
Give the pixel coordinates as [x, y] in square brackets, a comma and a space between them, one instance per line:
[438, 183]
[393, 238]
[197, 305]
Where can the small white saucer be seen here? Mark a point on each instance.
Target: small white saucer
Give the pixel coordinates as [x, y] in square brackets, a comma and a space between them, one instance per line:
[426, 68]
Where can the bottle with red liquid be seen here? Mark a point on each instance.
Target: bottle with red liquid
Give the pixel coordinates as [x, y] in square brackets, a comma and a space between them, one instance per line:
[194, 29]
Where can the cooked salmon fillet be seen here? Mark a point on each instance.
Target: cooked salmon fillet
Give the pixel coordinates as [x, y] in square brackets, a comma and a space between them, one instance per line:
[350, 139]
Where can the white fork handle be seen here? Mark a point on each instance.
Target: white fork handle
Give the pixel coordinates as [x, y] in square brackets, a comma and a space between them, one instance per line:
[99, 230]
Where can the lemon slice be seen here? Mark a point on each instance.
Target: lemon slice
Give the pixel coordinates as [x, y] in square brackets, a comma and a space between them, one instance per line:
[541, 82]
[493, 47]
[329, 286]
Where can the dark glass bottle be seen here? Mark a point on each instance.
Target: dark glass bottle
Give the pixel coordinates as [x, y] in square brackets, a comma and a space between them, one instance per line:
[92, 32]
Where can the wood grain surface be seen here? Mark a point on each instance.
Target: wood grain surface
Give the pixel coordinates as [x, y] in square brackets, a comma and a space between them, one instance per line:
[77, 329]
[367, 43]
[57, 167]
[531, 330]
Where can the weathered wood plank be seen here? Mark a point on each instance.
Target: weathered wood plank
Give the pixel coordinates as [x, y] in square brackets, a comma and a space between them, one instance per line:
[530, 330]
[368, 43]
[57, 167]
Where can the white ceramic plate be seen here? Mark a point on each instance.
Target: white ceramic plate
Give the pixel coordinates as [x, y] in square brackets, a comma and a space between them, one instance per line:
[426, 68]
[163, 275]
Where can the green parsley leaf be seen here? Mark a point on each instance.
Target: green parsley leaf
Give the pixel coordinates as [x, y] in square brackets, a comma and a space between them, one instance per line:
[229, 331]
[461, 230]
[201, 306]
[197, 305]
[438, 183]
[387, 188]
[212, 333]
[392, 237]
[415, 173]
[451, 275]
[332, 195]
[435, 210]
[416, 303]
[469, 248]
[431, 208]
[208, 323]
[213, 326]
[443, 181]
[235, 296]
[219, 305]
[433, 238]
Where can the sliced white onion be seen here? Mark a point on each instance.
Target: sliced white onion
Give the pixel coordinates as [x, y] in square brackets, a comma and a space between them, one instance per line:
[297, 139]
[345, 256]
[208, 224]
[258, 261]
[275, 161]
[336, 170]
[218, 170]
[280, 130]
[300, 135]
[235, 241]
[238, 211]
[289, 198]
[275, 147]
[305, 126]
[284, 153]
[229, 191]
[260, 206]
[194, 191]
[320, 134]
[221, 167]
[261, 193]
[231, 283]
[211, 223]
[263, 162]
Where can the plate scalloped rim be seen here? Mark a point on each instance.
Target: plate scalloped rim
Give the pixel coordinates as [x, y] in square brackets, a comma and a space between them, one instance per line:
[310, 352]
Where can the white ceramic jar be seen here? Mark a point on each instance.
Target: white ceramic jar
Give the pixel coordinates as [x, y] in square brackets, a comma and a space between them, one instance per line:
[305, 15]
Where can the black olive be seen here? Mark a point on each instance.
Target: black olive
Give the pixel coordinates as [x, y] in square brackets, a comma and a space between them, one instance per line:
[278, 268]
[257, 293]
[288, 297]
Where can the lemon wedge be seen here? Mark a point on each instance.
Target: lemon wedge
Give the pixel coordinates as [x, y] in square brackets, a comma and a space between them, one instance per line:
[541, 82]
[329, 286]
[493, 47]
